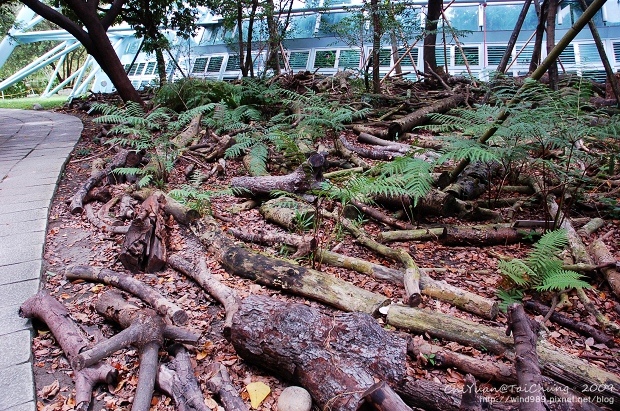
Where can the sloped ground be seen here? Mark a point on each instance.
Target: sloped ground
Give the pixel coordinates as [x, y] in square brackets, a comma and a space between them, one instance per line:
[72, 240]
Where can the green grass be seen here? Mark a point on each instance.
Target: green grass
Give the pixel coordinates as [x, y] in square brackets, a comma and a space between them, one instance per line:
[26, 103]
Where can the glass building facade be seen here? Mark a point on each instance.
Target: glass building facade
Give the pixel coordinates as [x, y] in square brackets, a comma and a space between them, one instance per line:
[331, 39]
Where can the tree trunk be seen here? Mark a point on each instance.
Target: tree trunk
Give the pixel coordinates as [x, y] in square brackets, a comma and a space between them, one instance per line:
[433, 13]
[501, 67]
[540, 29]
[376, 46]
[335, 357]
[553, 67]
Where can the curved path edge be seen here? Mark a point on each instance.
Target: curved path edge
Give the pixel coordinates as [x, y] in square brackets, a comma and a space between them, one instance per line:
[34, 148]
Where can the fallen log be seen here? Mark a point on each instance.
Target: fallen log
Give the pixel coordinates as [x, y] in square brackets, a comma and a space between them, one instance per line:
[580, 327]
[470, 400]
[529, 378]
[335, 357]
[591, 226]
[474, 180]
[569, 370]
[420, 234]
[284, 275]
[143, 328]
[131, 285]
[202, 275]
[108, 227]
[388, 145]
[462, 299]
[303, 245]
[176, 378]
[478, 235]
[486, 235]
[419, 117]
[189, 134]
[496, 371]
[580, 255]
[381, 397]
[77, 200]
[304, 178]
[349, 155]
[71, 339]
[493, 371]
[287, 212]
[411, 276]
[144, 246]
[380, 133]
[373, 154]
[602, 256]
[380, 216]
[219, 383]
[181, 213]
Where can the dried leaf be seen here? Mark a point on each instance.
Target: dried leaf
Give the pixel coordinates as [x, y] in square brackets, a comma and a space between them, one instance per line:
[258, 391]
[49, 391]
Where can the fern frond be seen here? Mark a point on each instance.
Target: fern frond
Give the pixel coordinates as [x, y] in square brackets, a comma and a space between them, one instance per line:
[258, 155]
[562, 280]
[519, 272]
[545, 250]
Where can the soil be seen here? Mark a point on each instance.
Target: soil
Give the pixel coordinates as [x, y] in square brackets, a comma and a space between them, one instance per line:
[71, 240]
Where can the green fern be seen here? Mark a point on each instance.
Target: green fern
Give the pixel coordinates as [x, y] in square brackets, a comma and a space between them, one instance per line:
[405, 176]
[541, 270]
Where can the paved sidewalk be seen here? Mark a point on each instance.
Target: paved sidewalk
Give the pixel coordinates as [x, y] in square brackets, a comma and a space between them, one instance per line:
[34, 147]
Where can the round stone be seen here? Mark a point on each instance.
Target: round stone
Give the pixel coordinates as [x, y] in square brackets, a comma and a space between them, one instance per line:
[294, 399]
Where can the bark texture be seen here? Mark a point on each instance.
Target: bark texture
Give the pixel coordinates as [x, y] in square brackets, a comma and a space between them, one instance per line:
[531, 394]
[336, 357]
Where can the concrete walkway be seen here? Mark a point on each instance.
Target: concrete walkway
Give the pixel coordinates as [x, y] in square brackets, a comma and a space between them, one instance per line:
[34, 147]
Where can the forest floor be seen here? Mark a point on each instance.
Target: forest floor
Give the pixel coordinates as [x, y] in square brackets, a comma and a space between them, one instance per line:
[72, 240]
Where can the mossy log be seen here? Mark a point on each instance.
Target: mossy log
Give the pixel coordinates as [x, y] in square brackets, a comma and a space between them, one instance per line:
[420, 234]
[284, 275]
[411, 275]
[335, 357]
[462, 299]
[287, 212]
[560, 366]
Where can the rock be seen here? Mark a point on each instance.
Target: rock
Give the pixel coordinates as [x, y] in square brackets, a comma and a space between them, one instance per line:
[294, 399]
[37, 106]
